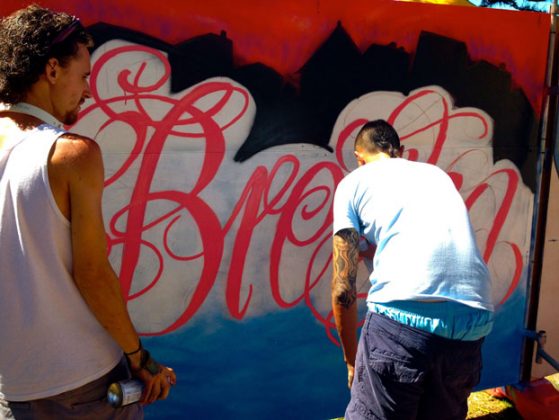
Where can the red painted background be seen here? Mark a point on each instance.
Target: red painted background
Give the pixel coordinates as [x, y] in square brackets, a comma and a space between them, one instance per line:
[284, 34]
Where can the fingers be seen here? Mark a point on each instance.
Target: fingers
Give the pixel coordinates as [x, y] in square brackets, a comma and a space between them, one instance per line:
[350, 374]
[155, 391]
[158, 386]
[171, 376]
[170, 380]
[166, 388]
[148, 386]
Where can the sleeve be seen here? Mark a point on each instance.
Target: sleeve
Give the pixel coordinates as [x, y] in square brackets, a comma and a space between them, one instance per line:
[344, 213]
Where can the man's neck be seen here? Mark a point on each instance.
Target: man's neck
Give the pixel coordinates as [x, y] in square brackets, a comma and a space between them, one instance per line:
[36, 111]
[40, 100]
[375, 157]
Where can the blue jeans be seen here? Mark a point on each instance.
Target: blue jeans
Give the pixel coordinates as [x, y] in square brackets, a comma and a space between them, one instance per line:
[406, 373]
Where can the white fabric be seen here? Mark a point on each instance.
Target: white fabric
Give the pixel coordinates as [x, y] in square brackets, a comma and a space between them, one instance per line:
[25, 108]
[426, 249]
[50, 341]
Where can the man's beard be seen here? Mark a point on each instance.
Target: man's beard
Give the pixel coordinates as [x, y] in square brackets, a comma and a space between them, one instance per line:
[71, 117]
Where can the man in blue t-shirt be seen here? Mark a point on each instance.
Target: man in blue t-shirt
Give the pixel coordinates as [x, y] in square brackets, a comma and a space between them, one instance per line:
[429, 304]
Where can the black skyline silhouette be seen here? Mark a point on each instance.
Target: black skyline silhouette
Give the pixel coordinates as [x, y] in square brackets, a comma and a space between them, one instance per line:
[339, 72]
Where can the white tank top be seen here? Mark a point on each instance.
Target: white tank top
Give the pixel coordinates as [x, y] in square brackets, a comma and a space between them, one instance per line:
[50, 342]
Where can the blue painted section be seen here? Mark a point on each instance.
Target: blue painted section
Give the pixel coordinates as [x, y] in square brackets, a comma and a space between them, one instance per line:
[276, 366]
[282, 365]
[502, 350]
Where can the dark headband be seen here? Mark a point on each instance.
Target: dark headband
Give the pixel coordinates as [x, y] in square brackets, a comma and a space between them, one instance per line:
[66, 32]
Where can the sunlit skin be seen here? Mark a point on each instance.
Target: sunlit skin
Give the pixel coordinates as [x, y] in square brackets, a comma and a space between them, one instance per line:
[62, 89]
[345, 257]
[344, 293]
[73, 85]
[76, 178]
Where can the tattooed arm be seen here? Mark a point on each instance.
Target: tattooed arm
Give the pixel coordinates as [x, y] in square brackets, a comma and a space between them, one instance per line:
[344, 293]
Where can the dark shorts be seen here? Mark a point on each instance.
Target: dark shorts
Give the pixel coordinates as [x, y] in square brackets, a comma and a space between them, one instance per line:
[405, 373]
[87, 402]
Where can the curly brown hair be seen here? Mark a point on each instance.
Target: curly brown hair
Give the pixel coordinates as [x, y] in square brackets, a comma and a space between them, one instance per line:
[28, 39]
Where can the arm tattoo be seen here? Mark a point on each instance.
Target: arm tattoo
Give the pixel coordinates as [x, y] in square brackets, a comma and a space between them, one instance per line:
[345, 256]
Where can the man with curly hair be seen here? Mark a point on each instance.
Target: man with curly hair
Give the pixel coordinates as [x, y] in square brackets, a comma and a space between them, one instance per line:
[64, 325]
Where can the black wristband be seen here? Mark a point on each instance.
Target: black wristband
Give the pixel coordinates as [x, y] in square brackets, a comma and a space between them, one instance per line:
[140, 348]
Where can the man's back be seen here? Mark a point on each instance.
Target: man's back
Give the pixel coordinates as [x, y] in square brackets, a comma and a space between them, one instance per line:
[37, 288]
[417, 219]
[63, 319]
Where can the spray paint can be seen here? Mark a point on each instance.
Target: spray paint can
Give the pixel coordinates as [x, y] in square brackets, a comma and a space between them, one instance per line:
[125, 392]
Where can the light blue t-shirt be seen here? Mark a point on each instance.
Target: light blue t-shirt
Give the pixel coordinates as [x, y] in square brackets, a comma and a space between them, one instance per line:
[426, 249]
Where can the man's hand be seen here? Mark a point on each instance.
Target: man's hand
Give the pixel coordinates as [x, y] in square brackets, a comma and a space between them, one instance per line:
[158, 386]
[350, 374]
[157, 378]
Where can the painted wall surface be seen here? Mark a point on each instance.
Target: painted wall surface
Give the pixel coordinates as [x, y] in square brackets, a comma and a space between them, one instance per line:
[225, 131]
[548, 310]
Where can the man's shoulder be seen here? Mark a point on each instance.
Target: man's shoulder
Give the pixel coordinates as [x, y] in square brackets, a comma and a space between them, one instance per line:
[349, 179]
[76, 146]
[74, 152]
[78, 140]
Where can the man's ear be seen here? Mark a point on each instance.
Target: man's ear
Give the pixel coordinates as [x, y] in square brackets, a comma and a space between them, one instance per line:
[359, 156]
[52, 69]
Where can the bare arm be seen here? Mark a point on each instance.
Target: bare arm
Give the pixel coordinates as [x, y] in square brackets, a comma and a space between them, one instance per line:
[344, 293]
[78, 161]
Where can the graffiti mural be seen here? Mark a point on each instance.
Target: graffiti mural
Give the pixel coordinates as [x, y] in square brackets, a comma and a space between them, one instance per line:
[189, 199]
[224, 134]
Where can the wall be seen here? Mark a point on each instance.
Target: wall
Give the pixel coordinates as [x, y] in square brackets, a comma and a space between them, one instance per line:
[225, 131]
[548, 310]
